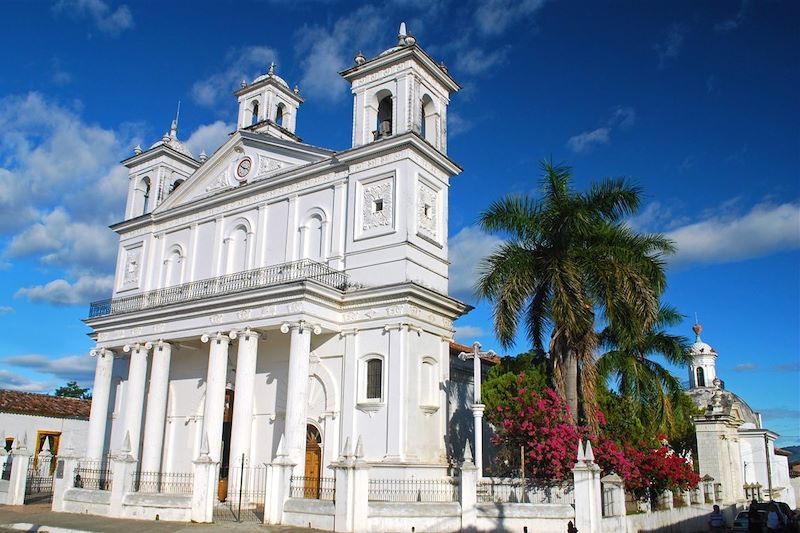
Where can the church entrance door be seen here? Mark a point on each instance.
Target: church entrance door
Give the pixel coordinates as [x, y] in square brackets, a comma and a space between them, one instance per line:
[227, 418]
[313, 462]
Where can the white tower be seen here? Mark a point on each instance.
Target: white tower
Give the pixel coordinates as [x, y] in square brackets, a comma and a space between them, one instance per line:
[268, 106]
[400, 90]
[702, 370]
[156, 172]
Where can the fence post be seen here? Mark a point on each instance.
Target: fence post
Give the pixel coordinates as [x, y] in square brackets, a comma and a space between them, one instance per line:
[613, 485]
[203, 485]
[468, 491]
[281, 479]
[64, 478]
[586, 476]
[344, 471]
[123, 467]
[20, 461]
[360, 494]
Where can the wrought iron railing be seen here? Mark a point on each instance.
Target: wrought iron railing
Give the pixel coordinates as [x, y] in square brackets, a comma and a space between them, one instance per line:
[304, 269]
[413, 490]
[94, 475]
[518, 490]
[163, 482]
[313, 488]
[5, 471]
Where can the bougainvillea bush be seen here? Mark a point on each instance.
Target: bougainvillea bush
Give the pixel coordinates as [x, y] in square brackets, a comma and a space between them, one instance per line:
[538, 424]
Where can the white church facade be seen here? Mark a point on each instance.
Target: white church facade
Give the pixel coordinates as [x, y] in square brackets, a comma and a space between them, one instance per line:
[277, 294]
[735, 452]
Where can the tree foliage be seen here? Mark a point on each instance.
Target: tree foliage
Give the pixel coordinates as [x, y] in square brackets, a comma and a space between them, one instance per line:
[538, 423]
[73, 390]
[567, 257]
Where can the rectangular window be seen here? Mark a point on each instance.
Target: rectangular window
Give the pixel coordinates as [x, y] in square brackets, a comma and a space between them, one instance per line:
[378, 206]
[374, 378]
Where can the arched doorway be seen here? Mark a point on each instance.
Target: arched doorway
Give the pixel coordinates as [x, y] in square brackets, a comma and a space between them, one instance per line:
[313, 462]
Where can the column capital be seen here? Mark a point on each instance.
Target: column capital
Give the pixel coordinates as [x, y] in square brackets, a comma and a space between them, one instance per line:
[346, 332]
[160, 344]
[478, 409]
[101, 352]
[246, 333]
[137, 346]
[301, 326]
[218, 336]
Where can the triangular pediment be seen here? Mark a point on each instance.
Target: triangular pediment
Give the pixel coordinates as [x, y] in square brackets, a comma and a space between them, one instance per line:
[246, 157]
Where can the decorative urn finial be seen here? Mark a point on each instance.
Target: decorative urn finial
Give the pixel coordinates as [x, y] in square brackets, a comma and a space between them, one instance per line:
[698, 329]
[360, 58]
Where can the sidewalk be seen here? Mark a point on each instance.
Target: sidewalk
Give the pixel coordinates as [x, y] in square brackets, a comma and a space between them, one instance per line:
[41, 518]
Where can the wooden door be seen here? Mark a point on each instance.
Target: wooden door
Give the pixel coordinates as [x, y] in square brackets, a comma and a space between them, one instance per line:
[313, 463]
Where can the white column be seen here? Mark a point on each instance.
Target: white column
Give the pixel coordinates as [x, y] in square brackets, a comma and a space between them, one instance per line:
[156, 414]
[477, 417]
[241, 428]
[134, 396]
[396, 392]
[214, 409]
[101, 392]
[295, 424]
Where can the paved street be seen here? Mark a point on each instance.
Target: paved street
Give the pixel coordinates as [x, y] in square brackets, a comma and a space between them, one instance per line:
[42, 519]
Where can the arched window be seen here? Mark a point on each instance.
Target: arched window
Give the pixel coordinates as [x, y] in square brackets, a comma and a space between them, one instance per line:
[279, 114]
[175, 185]
[312, 238]
[237, 250]
[701, 377]
[254, 117]
[384, 125]
[428, 119]
[428, 382]
[173, 267]
[374, 390]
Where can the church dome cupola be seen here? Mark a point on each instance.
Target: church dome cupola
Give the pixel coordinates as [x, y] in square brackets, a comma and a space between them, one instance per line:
[702, 370]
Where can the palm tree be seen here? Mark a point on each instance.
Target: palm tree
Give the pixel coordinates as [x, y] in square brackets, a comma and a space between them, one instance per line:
[567, 257]
[655, 392]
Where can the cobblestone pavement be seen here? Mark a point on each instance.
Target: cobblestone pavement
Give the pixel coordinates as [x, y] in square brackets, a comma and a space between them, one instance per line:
[42, 519]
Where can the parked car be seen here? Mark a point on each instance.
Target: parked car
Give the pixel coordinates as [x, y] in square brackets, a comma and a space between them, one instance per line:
[741, 522]
[787, 517]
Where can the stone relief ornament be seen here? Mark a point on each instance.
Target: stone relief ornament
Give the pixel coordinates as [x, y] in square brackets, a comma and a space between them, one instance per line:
[267, 164]
[427, 211]
[132, 266]
[219, 183]
[377, 206]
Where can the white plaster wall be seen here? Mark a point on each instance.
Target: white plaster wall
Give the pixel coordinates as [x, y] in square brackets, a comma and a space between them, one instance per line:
[433, 517]
[185, 399]
[73, 431]
[677, 520]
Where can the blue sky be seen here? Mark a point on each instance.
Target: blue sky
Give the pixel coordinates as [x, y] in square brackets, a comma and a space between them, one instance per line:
[696, 101]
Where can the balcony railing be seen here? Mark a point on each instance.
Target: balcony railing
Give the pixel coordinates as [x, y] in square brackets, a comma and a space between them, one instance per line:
[304, 269]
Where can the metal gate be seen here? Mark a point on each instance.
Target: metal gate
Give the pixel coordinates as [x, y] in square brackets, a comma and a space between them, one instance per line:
[39, 481]
[241, 494]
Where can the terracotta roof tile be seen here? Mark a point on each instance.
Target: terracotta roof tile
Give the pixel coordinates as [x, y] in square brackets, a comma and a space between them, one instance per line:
[28, 403]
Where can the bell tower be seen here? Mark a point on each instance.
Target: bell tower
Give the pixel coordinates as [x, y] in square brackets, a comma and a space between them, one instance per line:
[703, 368]
[401, 90]
[268, 106]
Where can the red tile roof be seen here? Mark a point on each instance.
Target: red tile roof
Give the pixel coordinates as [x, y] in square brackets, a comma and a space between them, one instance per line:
[28, 403]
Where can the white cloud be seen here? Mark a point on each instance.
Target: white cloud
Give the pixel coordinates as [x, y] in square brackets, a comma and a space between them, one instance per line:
[765, 229]
[456, 124]
[589, 139]
[466, 249]
[326, 50]
[745, 367]
[70, 367]
[6, 310]
[623, 117]
[15, 381]
[466, 334]
[209, 137]
[243, 63]
[494, 17]
[472, 60]
[61, 292]
[734, 22]
[671, 46]
[108, 20]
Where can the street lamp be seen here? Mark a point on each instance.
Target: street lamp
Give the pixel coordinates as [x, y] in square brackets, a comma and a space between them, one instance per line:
[477, 406]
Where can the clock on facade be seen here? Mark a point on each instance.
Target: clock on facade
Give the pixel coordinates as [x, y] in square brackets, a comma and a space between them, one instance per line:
[243, 169]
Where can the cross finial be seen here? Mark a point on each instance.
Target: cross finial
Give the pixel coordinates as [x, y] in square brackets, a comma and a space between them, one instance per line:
[271, 70]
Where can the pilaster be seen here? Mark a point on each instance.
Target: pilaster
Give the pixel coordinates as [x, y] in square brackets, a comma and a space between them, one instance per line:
[20, 461]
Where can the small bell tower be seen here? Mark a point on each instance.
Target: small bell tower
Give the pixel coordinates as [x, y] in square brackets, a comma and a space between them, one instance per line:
[703, 368]
[269, 106]
[401, 90]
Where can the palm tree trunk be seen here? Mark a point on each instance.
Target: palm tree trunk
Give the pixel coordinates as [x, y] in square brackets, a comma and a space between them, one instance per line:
[571, 382]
